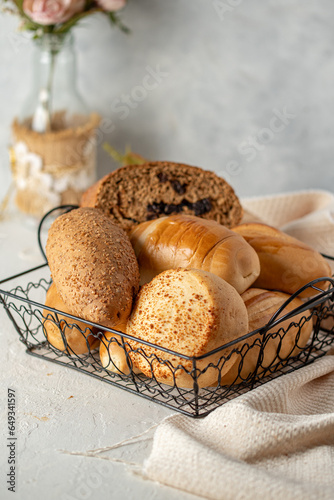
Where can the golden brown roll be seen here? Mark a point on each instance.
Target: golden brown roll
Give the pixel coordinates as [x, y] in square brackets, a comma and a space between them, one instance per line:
[191, 242]
[286, 263]
[113, 353]
[190, 312]
[93, 266]
[279, 343]
[79, 336]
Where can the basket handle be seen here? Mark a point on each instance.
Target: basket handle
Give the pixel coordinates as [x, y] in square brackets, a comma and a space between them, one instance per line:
[311, 302]
[65, 209]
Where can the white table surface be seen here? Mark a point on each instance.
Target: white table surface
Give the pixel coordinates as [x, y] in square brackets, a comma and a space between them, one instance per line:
[60, 412]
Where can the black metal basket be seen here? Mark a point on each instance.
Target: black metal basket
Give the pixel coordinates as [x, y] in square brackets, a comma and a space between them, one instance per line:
[236, 367]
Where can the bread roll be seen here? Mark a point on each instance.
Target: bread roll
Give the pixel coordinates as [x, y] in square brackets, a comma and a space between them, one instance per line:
[79, 336]
[286, 263]
[279, 343]
[113, 353]
[137, 193]
[190, 312]
[191, 242]
[93, 266]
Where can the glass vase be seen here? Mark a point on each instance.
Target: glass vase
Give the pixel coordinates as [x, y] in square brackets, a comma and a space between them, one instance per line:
[53, 151]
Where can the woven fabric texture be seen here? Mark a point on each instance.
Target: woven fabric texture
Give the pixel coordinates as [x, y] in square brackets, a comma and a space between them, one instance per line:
[277, 441]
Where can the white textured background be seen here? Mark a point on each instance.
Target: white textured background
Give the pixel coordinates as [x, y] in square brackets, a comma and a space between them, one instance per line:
[228, 67]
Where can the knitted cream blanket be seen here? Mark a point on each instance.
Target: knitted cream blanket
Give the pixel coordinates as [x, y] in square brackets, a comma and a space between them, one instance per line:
[277, 441]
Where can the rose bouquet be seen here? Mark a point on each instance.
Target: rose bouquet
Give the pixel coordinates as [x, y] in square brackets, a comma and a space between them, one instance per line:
[59, 16]
[50, 22]
[53, 151]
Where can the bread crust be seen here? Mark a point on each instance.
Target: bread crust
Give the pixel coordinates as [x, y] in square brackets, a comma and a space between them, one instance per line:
[191, 312]
[76, 341]
[93, 266]
[278, 344]
[137, 193]
[113, 353]
[192, 242]
[286, 263]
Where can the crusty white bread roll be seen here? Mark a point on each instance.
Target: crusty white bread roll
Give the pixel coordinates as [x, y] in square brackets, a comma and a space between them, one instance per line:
[188, 311]
[93, 266]
[192, 242]
[278, 344]
[113, 353]
[79, 336]
[286, 263]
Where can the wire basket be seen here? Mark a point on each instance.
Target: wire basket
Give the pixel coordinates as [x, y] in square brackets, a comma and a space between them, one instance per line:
[239, 366]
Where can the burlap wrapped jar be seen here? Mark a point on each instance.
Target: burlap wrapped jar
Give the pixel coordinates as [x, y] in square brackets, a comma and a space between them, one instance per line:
[53, 168]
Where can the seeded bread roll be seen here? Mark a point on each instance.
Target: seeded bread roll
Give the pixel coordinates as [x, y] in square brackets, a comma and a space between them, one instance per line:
[79, 336]
[191, 312]
[137, 193]
[192, 242]
[278, 344]
[286, 263]
[93, 266]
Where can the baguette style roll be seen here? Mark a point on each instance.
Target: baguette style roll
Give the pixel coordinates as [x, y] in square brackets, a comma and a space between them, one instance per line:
[278, 344]
[76, 341]
[136, 193]
[286, 263]
[93, 266]
[191, 312]
[191, 242]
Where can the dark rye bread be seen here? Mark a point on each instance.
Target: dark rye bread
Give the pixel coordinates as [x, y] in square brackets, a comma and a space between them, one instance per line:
[137, 193]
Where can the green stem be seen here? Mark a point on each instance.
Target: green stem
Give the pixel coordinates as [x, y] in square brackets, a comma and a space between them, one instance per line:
[49, 86]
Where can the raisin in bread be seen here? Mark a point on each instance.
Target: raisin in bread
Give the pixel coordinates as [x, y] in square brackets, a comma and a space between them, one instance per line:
[137, 193]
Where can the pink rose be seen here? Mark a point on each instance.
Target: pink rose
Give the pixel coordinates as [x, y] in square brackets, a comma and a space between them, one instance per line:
[111, 5]
[48, 12]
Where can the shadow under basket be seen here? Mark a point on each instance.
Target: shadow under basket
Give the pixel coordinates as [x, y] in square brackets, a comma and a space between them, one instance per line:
[240, 366]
